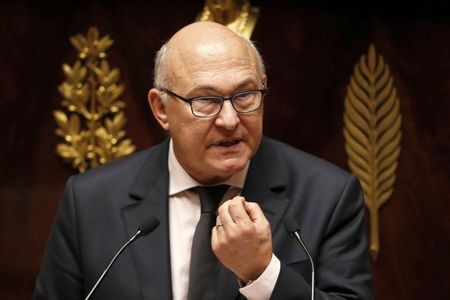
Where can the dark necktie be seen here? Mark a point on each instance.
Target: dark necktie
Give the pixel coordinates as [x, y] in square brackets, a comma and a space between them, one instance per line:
[204, 264]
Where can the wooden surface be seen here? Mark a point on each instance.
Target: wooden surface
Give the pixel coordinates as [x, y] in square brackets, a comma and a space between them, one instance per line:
[310, 52]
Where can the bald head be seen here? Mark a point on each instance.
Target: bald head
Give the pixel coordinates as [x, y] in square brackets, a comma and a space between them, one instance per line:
[209, 32]
[198, 44]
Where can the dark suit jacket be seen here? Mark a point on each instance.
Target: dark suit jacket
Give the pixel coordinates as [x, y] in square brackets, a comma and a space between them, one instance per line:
[102, 208]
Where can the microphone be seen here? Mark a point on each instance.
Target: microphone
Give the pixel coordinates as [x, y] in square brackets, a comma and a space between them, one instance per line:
[293, 229]
[145, 228]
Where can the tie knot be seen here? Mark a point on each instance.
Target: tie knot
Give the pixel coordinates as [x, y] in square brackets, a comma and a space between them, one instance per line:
[210, 196]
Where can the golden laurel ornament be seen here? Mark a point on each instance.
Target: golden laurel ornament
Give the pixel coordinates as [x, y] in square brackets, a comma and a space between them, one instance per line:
[94, 121]
[237, 15]
[372, 131]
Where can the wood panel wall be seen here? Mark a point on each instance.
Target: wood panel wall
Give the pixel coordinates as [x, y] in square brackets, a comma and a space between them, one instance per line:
[310, 50]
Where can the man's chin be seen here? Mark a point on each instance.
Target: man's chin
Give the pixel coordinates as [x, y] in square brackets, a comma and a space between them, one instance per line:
[229, 168]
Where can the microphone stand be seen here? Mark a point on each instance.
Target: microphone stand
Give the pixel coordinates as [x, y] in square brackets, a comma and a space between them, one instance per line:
[135, 236]
[300, 240]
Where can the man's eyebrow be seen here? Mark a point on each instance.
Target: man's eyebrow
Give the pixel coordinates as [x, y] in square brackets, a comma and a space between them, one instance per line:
[214, 90]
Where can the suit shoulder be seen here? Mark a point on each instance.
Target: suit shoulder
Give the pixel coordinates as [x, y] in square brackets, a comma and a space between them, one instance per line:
[122, 170]
[299, 162]
[118, 167]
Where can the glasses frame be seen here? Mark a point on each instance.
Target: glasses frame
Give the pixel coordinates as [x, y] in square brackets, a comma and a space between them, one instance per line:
[263, 92]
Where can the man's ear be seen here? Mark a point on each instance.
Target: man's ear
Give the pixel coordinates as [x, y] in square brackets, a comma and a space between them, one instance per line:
[157, 106]
[264, 80]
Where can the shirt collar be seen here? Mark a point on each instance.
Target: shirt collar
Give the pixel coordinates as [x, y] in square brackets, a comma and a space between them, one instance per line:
[180, 180]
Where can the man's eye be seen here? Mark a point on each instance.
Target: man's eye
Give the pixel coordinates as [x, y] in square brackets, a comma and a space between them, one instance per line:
[208, 99]
[242, 96]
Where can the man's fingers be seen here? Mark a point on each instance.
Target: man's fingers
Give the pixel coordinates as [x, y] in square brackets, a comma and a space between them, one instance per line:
[218, 220]
[232, 211]
[254, 211]
[214, 237]
[237, 211]
[223, 216]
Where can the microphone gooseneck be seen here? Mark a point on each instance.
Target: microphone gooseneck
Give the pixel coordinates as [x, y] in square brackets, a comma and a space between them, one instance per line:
[293, 229]
[145, 228]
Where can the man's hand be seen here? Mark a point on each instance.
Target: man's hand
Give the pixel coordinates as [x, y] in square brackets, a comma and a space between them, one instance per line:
[243, 240]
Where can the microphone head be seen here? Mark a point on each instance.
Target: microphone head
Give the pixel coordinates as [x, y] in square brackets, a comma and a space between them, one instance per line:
[291, 225]
[149, 225]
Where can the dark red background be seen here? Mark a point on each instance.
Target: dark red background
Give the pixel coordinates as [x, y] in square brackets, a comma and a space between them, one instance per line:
[310, 48]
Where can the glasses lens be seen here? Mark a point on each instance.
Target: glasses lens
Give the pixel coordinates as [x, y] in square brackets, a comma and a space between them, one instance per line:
[247, 101]
[206, 106]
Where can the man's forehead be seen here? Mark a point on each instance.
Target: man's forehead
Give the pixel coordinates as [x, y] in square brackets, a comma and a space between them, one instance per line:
[206, 56]
[212, 72]
[231, 86]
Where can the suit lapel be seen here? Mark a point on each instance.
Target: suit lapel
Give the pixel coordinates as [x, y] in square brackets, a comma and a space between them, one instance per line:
[264, 184]
[148, 197]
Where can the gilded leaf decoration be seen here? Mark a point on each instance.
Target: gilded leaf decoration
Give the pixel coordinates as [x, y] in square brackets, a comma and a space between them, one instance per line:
[93, 124]
[372, 131]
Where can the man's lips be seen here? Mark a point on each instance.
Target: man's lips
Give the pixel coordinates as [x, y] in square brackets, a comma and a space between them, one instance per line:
[227, 143]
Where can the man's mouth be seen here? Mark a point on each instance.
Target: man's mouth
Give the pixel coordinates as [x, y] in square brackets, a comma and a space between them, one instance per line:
[227, 143]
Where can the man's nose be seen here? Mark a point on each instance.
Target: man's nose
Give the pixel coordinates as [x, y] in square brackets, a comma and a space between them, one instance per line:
[228, 117]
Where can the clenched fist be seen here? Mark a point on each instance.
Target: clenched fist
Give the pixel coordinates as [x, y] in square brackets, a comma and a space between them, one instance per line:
[243, 240]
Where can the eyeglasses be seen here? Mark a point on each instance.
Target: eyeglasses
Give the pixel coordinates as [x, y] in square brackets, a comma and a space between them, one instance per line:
[210, 106]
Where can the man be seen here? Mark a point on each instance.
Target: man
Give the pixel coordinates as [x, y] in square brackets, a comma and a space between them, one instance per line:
[208, 95]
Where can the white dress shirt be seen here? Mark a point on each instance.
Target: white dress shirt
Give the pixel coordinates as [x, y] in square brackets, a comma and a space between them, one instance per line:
[184, 214]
